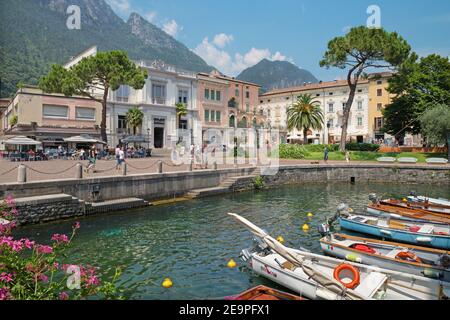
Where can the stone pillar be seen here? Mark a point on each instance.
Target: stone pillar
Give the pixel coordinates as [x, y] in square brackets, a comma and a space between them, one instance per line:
[124, 169]
[215, 165]
[22, 174]
[191, 166]
[160, 167]
[79, 171]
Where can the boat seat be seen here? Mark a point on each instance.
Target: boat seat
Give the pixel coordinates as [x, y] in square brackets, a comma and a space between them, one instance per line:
[383, 223]
[288, 265]
[427, 229]
[393, 254]
[371, 284]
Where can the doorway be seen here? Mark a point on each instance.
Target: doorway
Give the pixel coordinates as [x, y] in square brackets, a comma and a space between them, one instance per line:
[158, 135]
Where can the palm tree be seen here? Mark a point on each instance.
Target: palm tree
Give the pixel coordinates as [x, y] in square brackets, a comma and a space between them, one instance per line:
[134, 118]
[182, 110]
[305, 114]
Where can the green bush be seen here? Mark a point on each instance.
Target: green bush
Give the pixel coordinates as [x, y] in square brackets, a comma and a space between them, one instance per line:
[362, 147]
[321, 147]
[293, 151]
[258, 182]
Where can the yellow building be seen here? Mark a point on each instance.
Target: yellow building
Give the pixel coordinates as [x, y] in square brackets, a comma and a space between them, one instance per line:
[379, 98]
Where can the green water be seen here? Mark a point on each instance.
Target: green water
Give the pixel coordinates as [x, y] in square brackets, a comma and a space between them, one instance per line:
[191, 242]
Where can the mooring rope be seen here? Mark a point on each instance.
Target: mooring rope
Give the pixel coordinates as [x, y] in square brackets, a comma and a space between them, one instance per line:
[52, 173]
[9, 171]
[141, 169]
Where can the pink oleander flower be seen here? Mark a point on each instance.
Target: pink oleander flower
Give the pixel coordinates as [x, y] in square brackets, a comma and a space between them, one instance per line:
[92, 281]
[64, 296]
[28, 243]
[44, 249]
[4, 294]
[43, 278]
[60, 238]
[10, 200]
[76, 226]
[56, 265]
[14, 211]
[6, 277]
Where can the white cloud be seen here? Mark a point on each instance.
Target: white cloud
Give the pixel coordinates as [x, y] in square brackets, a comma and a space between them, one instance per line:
[150, 16]
[213, 54]
[172, 28]
[122, 6]
[222, 39]
[346, 29]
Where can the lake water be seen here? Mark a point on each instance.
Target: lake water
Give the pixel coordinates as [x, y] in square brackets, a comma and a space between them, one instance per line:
[191, 242]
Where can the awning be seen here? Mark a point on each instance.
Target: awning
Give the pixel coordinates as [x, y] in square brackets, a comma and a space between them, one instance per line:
[22, 141]
[83, 139]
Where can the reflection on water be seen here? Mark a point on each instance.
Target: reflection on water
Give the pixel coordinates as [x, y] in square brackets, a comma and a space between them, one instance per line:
[191, 242]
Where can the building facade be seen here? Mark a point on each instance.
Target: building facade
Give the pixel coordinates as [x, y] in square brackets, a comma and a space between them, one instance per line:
[332, 98]
[50, 118]
[165, 87]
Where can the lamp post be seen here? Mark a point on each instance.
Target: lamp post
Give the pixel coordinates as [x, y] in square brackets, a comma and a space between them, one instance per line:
[148, 132]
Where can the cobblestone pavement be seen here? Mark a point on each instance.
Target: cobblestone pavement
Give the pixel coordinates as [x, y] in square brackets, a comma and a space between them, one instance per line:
[65, 169]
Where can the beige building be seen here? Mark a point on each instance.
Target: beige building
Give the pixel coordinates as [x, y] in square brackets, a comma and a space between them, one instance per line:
[50, 118]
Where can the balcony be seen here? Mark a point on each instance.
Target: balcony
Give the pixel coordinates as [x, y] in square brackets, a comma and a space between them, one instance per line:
[159, 101]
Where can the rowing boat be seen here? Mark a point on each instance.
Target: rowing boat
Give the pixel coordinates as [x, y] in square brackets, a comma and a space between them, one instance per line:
[408, 214]
[421, 199]
[319, 277]
[263, 293]
[428, 262]
[421, 207]
[422, 234]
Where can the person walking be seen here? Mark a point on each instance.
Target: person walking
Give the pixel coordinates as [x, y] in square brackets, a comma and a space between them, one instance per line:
[205, 156]
[92, 158]
[121, 157]
[117, 154]
[198, 157]
[325, 154]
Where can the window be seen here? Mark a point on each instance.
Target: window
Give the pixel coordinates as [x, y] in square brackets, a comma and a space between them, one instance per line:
[247, 94]
[213, 95]
[206, 115]
[380, 82]
[247, 107]
[360, 105]
[183, 96]
[331, 122]
[331, 93]
[61, 112]
[236, 93]
[218, 95]
[123, 93]
[207, 94]
[379, 123]
[84, 113]
[287, 98]
[359, 90]
[360, 121]
[183, 124]
[379, 106]
[318, 95]
[261, 102]
[121, 124]
[218, 116]
[379, 92]
[212, 114]
[158, 93]
[344, 104]
[330, 107]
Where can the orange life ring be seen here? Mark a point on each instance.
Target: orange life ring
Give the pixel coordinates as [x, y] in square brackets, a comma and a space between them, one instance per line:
[408, 256]
[354, 271]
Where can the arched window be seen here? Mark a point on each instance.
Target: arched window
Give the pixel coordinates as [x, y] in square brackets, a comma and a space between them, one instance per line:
[243, 123]
[232, 121]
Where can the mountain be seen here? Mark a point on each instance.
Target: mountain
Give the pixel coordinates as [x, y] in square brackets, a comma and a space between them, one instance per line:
[276, 75]
[34, 36]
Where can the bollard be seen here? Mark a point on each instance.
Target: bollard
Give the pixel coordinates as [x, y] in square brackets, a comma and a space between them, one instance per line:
[191, 166]
[124, 169]
[22, 174]
[160, 167]
[215, 165]
[79, 171]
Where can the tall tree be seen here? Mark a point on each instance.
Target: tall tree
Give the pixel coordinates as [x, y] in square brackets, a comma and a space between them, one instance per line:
[418, 86]
[134, 118]
[305, 114]
[360, 49]
[435, 123]
[182, 111]
[94, 77]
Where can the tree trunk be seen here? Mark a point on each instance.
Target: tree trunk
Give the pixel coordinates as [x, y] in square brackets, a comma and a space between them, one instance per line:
[103, 123]
[305, 136]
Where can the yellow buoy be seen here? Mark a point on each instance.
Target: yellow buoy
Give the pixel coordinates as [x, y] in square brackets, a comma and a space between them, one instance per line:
[305, 227]
[310, 215]
[350, 210]
[167, 283]
[280, 239]
[231, 264]
[405, 200]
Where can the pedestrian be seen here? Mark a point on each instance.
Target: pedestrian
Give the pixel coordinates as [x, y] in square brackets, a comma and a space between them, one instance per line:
[198, 157]
[205, 156]
[82, 153]
[92, 158]
[117, 153]
[347, 156]
[325, 154]
[121, 157]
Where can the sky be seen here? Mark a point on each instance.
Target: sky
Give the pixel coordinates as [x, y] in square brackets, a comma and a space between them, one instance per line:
[233, 35]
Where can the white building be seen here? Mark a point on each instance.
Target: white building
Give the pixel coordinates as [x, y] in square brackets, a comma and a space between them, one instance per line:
[332, 98]
[165, 87]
